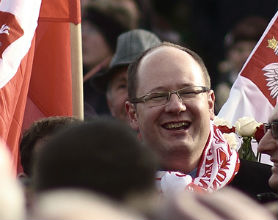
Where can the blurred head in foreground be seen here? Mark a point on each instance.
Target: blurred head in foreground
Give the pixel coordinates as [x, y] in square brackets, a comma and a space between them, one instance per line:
[78, 204]
[39, 133]
[102, 156]
[12, 204]
[227, 203]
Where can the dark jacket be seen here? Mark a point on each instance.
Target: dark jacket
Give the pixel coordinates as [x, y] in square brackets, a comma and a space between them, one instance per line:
[252, 178]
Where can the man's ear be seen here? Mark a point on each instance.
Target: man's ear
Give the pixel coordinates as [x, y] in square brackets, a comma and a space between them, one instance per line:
[211, 100]
[132, 115]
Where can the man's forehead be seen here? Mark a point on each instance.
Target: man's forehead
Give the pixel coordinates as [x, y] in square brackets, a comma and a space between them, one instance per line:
[166, 51]
[164, 54]
[168, 67]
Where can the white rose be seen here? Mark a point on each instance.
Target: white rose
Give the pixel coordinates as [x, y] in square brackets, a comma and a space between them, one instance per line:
[246, 126]
[221, 122]
[232, 140]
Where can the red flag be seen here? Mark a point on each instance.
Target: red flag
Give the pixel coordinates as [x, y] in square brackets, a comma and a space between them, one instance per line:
[255, 91]
[42, 67]
[61, 11]
[18, 21]
[50, 91]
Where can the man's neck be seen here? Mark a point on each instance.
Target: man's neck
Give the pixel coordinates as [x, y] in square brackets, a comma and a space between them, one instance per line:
[180, 162]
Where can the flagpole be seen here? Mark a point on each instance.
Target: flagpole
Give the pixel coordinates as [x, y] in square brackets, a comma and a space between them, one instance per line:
[77, 71]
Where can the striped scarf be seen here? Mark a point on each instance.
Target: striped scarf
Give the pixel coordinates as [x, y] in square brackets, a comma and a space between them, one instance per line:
[217, 167]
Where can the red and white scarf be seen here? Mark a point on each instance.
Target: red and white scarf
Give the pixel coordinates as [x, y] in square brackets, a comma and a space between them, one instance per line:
[217, 167]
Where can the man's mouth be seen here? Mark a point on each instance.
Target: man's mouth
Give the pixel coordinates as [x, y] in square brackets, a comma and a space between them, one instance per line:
[176, 125]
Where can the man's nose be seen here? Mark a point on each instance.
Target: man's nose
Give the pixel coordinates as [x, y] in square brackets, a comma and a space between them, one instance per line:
[267, 144]
[175, 104]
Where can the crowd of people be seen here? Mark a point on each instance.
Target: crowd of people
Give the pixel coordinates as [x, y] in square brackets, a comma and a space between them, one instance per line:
[98, 169]
[147, 147]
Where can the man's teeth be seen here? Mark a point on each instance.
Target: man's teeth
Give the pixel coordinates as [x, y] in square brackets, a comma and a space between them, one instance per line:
[176, 125]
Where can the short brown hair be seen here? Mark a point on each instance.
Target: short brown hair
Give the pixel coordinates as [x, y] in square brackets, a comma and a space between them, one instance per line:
[39, 129]
[133, 67]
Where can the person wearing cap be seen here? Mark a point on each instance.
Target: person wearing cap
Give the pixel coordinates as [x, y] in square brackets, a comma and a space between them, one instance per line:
[102, 22]
[113, 82]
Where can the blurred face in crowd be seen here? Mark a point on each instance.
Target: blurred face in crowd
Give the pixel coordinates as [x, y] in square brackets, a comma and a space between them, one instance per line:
[177, 126]
[239, 53]
[269, 145]
[94, 47]
[117, 94]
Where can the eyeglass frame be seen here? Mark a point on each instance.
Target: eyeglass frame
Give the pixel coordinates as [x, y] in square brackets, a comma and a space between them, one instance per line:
[143, 99]
[270, 126]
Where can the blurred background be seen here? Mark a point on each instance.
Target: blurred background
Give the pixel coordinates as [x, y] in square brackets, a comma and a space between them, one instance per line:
[222, 32]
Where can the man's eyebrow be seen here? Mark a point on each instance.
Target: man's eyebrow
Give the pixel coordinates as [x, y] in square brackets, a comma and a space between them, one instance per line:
[159, 89]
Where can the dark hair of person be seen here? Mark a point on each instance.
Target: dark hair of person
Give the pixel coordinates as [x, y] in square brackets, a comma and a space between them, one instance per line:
[133, 67]
[102, 155]
[250, 28]
[110, 18]
[39, 129]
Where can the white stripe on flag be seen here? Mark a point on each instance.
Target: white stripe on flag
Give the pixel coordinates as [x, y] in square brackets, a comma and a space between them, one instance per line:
[248, 100]
[26, 13]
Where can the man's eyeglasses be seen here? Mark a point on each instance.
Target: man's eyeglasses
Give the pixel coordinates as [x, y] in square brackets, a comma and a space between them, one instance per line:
[161, 98]
[273, 126]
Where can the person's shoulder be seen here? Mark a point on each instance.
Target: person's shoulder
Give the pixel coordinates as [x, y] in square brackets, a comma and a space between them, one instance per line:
[254, 170]
[247, 165]
[252, 178]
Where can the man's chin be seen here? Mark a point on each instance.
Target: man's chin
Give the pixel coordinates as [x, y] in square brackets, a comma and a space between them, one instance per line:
[179, 146]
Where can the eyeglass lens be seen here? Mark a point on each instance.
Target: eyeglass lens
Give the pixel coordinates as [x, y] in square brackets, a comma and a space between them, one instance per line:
[273, 126]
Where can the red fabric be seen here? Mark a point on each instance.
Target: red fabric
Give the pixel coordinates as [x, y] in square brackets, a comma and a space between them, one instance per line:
[50, 86]
[13, 99]
[259, 133]
[217, 167]
[263, 55]
[15, 31]
[50, 91]
[225, 129]
[61, 11]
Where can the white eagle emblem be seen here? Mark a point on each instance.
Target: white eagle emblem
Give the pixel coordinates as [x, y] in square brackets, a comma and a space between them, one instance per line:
[272, 78]
[4, 29]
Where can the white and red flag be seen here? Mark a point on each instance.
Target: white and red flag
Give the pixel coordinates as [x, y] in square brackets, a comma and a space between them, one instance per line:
[255, 91]
[39, 58]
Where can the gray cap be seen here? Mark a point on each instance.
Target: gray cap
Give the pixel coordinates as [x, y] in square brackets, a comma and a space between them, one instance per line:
[130, 45]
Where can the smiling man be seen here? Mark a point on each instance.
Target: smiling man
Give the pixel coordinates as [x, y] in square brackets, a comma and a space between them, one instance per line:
[181, 128]
[171, 106]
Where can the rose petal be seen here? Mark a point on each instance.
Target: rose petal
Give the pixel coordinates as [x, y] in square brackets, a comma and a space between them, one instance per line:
[225, 129]
[259, 133]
